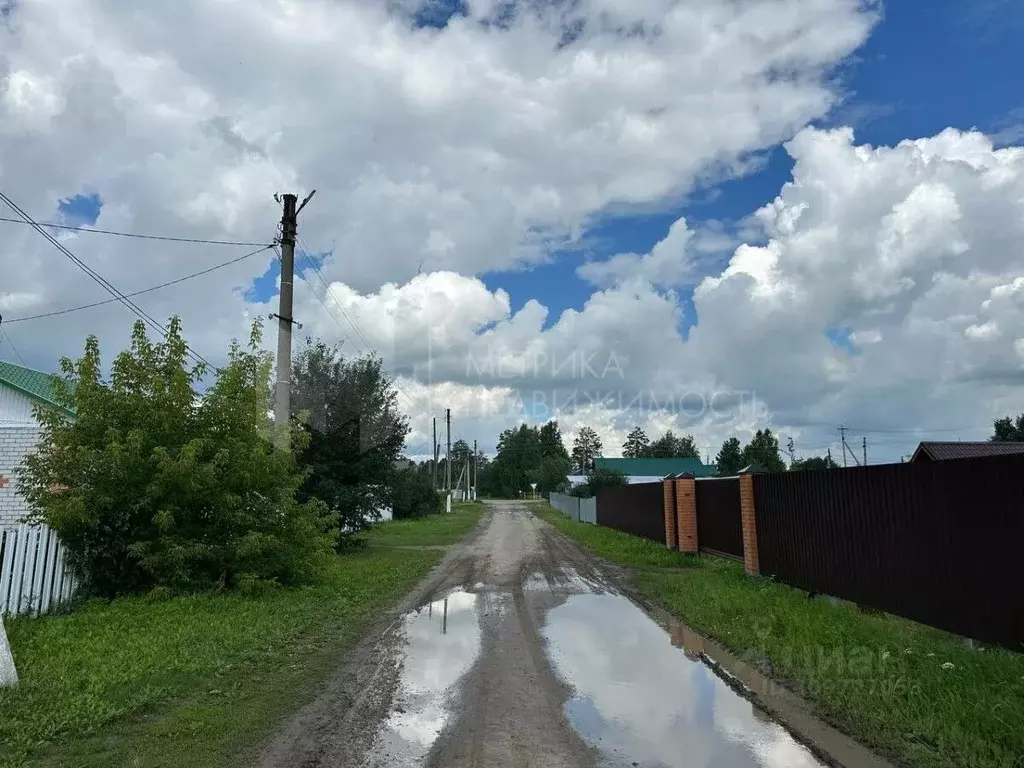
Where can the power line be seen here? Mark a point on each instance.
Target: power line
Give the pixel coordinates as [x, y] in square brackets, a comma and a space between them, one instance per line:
[143, 291]
[11, 342]
[135, 235]
[106, 284]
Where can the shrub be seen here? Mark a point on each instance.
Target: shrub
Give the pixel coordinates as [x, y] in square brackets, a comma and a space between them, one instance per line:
[152, 485]
[413, 494]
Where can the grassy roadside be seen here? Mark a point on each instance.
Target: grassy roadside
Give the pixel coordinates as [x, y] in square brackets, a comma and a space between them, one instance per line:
[443, 529]
[198, 680]
[915, 693]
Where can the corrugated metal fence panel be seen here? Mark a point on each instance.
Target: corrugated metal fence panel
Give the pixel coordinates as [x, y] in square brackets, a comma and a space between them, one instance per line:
[934, 542]
[588, 510]
[567, 505]
[719, 527]
[636, 509]
[33, 575]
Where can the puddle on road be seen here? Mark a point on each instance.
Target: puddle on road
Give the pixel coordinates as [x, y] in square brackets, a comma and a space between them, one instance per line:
[641, 701]
[441, 642]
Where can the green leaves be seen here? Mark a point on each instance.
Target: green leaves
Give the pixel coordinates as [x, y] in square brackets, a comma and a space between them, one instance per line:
[153, 486]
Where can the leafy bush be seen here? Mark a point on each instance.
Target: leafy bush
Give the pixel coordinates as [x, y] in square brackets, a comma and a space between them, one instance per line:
[152, 485]
[604, 478]
[413, 494]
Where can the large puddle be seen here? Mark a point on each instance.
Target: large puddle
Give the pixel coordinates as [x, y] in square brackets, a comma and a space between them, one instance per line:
[642, 702]
[442, 640]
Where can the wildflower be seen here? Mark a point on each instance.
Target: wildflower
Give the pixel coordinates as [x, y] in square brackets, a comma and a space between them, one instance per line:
[885, 654]
[947, 665]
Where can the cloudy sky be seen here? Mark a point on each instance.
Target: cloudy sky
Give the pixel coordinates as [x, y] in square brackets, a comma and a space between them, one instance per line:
[684, 214]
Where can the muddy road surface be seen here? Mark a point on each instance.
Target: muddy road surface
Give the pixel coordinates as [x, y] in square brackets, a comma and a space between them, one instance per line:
[521, 650]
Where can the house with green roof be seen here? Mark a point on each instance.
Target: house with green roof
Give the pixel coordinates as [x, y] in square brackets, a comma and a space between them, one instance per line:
[653, 470]
[21, 389]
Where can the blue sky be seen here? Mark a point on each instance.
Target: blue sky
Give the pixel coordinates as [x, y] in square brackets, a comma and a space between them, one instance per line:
[922, 70]
[918, 73]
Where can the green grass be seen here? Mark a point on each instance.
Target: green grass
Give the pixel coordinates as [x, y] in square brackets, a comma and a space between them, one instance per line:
[443, 529]
[878, 677]
[198, 680]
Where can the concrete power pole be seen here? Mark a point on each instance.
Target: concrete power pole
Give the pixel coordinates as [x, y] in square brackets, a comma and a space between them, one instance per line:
[282, 386]
[842, 437]
[476, 470]
[434, 449]
[864, 444]
[448, 451]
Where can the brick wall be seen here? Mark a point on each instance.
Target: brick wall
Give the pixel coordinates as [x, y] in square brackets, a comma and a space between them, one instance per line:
[15, 443]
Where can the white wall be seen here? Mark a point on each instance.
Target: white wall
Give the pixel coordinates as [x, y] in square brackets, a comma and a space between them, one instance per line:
[15, 407]
[15, 442]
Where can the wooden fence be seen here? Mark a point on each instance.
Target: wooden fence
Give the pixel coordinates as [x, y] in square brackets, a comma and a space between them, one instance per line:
[635, 509]
[936, 542]
[33, 574]
[718, 517]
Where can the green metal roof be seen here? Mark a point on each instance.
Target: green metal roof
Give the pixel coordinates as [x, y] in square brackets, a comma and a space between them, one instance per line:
[35, 384]
[657, 467]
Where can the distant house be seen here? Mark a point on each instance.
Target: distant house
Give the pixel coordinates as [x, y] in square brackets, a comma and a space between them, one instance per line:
[650, 470]
[946, 451]
[20, 389]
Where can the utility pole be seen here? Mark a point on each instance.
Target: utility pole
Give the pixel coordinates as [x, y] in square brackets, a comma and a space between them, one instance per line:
[476, 470]
[830, 458]
[282, 386]
[864, 444]
[448, 452]
[433, 446]
[842, 437]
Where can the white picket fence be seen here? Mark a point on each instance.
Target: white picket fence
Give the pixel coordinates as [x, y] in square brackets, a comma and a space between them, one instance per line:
[33, 575]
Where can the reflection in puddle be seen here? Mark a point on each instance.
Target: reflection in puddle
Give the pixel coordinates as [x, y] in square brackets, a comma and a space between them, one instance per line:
[640, 700]
[442, 639]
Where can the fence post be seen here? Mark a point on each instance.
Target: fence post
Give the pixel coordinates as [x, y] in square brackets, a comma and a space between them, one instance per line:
[749, 522]
[670, 512]
[686, 512]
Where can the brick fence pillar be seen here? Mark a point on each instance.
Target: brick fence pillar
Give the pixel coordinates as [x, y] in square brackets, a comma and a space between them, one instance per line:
[670, 513]
[748, 520]
[686, 513]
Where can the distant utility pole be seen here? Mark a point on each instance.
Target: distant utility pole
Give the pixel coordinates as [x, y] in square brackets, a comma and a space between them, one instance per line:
[830, 458]
[476, 470]
[282, 386]
[448, 452]
[433, 447]
[842, 437]
[864, 444]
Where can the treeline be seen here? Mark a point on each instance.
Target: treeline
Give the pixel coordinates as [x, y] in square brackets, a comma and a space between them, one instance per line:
[155, 484]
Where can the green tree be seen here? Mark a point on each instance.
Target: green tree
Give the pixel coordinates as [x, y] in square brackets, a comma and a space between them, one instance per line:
[637, 445]
[813, 463]
[526, 455]
[600, 478]
[585, 448]
[763, 450]
[349, 409]
[669, 446]
[413, 494]
[152, 486]
[1008, 429]
[730, 458]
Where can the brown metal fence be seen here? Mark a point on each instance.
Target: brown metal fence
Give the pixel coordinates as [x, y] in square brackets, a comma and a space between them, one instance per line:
[719, 531]
[636, 509]
[935, 542]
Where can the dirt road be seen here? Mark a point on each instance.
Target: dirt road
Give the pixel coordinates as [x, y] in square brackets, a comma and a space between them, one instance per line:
[520, 650]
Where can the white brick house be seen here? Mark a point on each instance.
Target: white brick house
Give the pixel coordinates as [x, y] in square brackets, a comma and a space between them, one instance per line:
[20, 389]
